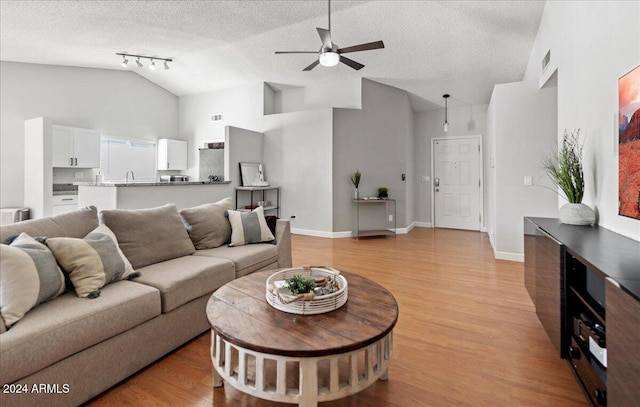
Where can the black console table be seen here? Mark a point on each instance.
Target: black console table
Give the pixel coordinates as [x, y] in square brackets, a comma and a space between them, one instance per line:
[585, 284]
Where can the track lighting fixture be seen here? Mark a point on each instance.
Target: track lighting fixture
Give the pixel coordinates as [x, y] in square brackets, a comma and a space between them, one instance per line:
[125, 61]
[446, 122]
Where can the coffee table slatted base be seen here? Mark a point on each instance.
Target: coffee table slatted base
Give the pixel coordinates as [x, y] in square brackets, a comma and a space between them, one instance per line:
[315, 379]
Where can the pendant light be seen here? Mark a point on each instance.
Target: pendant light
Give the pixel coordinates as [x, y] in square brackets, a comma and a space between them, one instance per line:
[446, 122]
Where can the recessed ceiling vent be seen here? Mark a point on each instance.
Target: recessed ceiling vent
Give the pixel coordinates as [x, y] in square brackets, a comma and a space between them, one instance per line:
[216, 117]
[546, 60]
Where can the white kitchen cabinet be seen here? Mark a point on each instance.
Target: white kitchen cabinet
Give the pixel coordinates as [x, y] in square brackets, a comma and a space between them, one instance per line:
[75, 148]
[172, 154]
[63, 204]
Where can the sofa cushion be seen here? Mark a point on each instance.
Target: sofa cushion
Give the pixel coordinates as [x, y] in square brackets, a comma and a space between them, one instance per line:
[29, 275]
[148, 236]
[249, 227]
[186, 278]
[92, 262]
[68, 325]
[73, 224]
[207, 224]
[247, 259]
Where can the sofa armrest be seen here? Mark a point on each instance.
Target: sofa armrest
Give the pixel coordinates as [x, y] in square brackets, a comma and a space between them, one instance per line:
[283, 242]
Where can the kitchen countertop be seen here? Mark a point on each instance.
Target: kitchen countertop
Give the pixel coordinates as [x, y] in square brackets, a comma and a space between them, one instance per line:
[151, 183]
[65, 189]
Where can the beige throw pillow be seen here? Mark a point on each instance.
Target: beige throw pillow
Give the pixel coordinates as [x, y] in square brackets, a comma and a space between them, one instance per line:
[92, 262]
[249, 227]
[148, 236]
[29, 275]
[207, 225]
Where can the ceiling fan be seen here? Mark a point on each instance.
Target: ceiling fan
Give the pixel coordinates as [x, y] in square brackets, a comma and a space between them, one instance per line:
[330, 54]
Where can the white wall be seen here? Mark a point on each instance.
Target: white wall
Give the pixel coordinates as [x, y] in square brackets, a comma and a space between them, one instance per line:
[298, 158]
[592, 44]
[118, 103]
[241, 107]
[296, 152]
[463, 121]
[374, 140]
[345, 94]
[521, 131]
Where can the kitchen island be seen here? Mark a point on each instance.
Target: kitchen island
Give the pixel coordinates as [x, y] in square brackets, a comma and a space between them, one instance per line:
[149, 194]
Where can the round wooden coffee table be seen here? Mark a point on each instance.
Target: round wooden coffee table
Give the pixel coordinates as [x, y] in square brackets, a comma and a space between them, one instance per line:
[300, 359]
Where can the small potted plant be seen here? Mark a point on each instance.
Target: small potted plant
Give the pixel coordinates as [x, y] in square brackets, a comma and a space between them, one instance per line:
[564, 168]
[383, 192]
[355, 180]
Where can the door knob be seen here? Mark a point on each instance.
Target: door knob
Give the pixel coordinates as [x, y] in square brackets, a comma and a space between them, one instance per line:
[436, 182]
[437, 189]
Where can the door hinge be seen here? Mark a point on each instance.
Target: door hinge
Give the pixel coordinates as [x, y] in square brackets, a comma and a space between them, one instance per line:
[479, 183]
[479, 217]
[478, 147]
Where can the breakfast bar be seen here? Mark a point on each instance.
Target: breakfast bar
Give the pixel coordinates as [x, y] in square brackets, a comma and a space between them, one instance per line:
[148, 194]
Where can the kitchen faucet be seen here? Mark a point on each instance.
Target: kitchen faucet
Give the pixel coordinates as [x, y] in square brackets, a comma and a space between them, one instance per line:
[126, 177]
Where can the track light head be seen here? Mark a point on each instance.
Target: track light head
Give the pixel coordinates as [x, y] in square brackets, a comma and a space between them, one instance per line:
[153, 65]
[166, 65]
[124, 62]
[139, 63]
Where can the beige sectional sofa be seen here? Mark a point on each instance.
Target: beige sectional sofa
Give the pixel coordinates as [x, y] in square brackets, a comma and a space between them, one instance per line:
[72, 348]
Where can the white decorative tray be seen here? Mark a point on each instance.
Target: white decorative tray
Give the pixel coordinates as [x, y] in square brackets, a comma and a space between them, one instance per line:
[279, 296]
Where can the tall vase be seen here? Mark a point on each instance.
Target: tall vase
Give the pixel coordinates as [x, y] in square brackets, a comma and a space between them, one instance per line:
[356, 194]
[577, 214]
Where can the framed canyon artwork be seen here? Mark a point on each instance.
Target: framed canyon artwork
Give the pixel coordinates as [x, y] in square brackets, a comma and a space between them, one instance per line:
[629, 144]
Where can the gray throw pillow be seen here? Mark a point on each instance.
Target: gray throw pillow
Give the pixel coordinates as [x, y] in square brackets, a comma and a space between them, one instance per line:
[148, 236]
[249, 227]
[92, 262]
[207, 224]
[29, 275]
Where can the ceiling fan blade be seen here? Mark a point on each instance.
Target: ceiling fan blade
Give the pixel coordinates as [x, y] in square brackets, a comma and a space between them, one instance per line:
[313, 65]
[355, 65]
[325, 37]
[362, 47]
[296, 52]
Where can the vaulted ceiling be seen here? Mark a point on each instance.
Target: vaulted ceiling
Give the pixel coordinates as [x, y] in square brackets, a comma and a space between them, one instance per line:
[431, 47]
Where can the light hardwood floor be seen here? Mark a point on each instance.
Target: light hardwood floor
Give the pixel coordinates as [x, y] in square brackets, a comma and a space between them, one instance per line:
[467, 334]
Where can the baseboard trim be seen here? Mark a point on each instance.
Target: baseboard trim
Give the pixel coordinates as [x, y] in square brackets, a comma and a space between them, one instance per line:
[348, 233]
[422, 224]
[509, 256]
[320, 233]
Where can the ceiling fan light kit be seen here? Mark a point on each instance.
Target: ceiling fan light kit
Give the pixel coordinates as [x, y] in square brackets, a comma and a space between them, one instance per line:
[125, 61]
[329, 58]
[330, 54]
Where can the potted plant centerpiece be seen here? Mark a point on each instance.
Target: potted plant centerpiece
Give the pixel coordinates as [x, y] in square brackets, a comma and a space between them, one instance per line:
[383, 192]
[565, 171]
[355, 179]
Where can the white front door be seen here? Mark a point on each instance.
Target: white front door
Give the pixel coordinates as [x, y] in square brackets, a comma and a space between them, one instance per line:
[456, 183]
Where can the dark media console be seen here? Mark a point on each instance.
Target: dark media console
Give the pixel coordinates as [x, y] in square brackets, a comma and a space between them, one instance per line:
[585, 284]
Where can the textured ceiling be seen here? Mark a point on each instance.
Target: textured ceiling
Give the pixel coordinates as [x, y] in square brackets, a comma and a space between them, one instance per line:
[432, 47]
